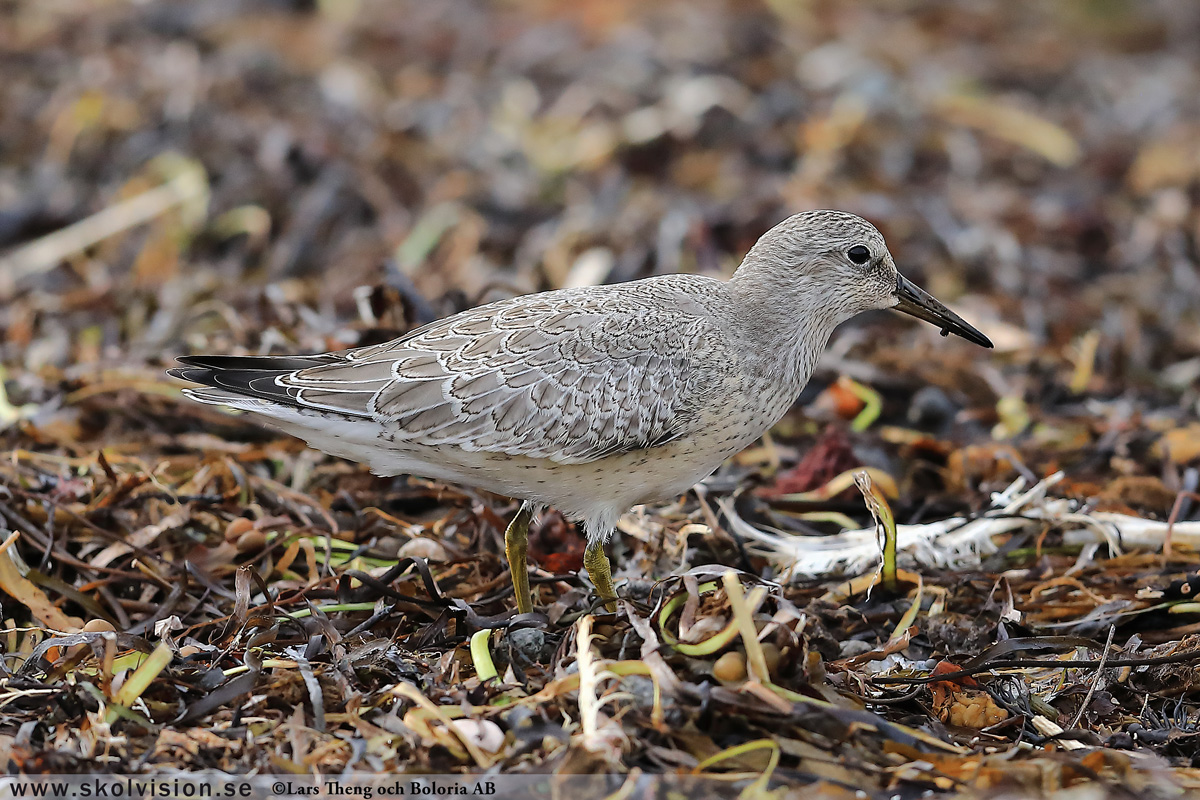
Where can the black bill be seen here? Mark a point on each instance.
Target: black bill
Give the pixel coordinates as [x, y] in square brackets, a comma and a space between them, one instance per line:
[916, 301]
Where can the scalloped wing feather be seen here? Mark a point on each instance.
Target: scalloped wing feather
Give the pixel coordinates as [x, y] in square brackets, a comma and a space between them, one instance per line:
[572, 377]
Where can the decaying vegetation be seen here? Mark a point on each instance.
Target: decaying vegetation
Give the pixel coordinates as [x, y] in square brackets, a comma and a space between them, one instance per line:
[183, 589]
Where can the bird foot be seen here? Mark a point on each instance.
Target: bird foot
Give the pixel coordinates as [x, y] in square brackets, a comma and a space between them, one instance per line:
[600, 571]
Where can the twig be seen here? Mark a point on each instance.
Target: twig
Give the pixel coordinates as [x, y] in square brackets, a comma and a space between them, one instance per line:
[1018, 663]
[9, 541]
[1087, 698]
[1187, 492]
[745, 622]
[411, 692]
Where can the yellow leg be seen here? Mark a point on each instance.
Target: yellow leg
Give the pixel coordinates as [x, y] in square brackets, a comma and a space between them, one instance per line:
[599, 570]
[516, 546]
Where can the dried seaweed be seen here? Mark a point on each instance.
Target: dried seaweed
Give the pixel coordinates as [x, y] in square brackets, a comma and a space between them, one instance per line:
[184, 590]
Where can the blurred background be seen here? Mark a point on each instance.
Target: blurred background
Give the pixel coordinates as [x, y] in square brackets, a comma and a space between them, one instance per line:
[266, 176]
[270, 176]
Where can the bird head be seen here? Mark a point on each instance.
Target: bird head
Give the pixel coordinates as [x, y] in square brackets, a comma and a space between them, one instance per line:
[840, 261]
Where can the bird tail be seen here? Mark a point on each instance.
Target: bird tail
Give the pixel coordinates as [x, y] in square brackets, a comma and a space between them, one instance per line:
[244, 382]
[251, 383]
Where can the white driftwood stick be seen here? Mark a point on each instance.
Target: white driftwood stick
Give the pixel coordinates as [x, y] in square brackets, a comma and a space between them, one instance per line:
[958, 542]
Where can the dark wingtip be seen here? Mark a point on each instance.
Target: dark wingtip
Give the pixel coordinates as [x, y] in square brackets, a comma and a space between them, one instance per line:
[260, 363]
[199, 375]
[250, 376]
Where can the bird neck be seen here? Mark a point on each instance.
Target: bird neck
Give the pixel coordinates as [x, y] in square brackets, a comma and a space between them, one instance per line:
[788, 319]
[787, 312]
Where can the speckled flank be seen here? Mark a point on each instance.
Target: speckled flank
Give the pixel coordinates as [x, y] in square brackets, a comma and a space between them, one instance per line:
[588, 400]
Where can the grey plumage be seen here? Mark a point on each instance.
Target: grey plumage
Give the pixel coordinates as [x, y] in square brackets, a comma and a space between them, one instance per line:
[589, 400]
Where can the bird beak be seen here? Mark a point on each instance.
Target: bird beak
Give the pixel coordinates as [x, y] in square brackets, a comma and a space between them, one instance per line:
[919, 303]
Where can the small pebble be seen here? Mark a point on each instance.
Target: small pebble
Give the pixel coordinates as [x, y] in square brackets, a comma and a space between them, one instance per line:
[855, 647]
[483, 733]
[730, 667]
[529, 642]
[237, 527]
[91, 626]
[640, 689]
[421, 547]
[930, 408]
[251, 541]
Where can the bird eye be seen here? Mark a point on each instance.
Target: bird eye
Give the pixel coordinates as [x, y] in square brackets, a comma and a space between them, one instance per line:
[858, 254]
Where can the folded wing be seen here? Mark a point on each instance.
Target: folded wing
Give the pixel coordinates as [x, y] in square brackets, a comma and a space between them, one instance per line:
[571, 378]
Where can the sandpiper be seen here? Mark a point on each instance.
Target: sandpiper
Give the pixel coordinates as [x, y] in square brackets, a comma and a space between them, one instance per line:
[590, 400]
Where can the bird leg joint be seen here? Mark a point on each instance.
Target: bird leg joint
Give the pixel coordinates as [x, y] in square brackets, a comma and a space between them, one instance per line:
[516, 548]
